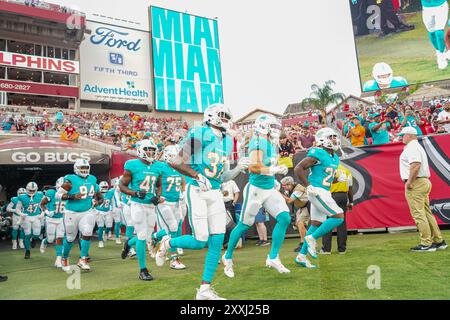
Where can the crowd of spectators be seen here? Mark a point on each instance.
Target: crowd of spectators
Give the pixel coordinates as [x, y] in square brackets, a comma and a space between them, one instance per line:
[380, 125]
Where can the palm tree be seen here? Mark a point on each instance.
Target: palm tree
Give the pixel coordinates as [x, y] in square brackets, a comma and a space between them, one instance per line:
[321, 97]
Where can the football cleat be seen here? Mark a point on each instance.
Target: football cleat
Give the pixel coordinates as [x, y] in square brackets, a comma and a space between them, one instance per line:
[301, 260]
[180, 251]
[58, 263]
[43, 247]
[176, 264]
[276, 263]
[132, 253]
[65, 265]
[442, 61]
[125, 250]
[27, 254]
[14, 245]
[83, 264]
[118, 241]
[164, 246]
[109, 236]
[145, 275]
[207, 294]
[21, 245]
[101, 244]
[312, 244]
[228, 267]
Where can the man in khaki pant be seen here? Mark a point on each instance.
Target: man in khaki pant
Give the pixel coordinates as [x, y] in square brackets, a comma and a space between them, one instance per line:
[415, 173]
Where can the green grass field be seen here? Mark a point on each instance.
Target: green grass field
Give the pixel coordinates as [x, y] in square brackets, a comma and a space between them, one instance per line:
[404, 275]
[410, 54]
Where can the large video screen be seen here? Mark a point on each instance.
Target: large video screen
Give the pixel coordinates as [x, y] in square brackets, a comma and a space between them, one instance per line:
[400, 42]
[186, 61]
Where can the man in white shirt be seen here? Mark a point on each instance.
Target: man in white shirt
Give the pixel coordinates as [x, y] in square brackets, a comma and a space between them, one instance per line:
[444, 118]
[415, 173]
[230, 192]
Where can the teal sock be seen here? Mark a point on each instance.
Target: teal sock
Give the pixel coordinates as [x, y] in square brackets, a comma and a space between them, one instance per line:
[235, 235]
[132, 242]
[440, 40]
[67, 247]
[117, 229]
[14, 234]
[172, 249]
[278, 234]
[180, 229]
[188, 242]
[160, 234]
[100, 233]
[108, 230]
[129, 232]
[35, 237]
[21, 234]
[45, 241]
[27, 242]
[215, 243]
[85, 245]
[140, 253]
[304, 249]
[327, 226]
[59, 250]
[433, 40]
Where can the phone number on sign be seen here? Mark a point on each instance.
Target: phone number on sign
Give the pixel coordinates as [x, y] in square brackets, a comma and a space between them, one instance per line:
[11, 86]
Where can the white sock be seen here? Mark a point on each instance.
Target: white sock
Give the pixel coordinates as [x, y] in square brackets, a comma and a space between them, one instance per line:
[204, 287]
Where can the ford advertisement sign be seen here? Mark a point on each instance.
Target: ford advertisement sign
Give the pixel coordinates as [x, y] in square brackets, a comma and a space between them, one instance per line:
[116, 65]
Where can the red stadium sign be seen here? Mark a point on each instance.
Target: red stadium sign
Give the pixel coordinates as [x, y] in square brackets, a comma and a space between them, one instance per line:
[19, 60]
[39, 88]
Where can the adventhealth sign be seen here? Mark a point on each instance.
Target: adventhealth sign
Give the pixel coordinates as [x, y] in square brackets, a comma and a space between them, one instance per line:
[186, 61]
[115, 65]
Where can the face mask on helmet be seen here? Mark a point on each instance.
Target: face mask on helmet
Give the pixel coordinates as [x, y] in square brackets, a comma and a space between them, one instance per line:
[59, 183]
[383, 74]
[327, 138]
[170, 153]
[218, 116]
[21, 191]
[31, 188]
[146, 150]
[104, 187]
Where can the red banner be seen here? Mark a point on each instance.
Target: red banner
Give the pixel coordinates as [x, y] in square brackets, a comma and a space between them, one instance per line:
[379, 191]
[39, 88]
[12, 59]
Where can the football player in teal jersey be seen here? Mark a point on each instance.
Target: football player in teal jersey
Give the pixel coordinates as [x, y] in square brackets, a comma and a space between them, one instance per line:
[140, 180]
[17, 221]
[103, 216]
[260, 192]
[203, 159]
[54, 225]
[80, 191]
[325, 213]
[168, 214]
[28, 207]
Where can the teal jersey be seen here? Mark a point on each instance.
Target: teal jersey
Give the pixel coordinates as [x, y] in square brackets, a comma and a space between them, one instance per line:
[322, 173]
[87, 187]
[210, 160]
[270, 158]
[381, 136]
[372, 85]
[143, 178]
[30, 205]
[54, 205]
[171, 183]
[433, 3]
[107, 201]
[411, 122]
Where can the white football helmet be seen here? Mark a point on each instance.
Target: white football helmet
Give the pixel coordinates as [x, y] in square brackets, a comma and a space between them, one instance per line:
[146, 150]
[383, 74]
[328, 138]
[59, 182]
[82, 167]
[268, 124]
[21, 191]
[218, 115]
[104, 187]
[31, 188]
[170, 153]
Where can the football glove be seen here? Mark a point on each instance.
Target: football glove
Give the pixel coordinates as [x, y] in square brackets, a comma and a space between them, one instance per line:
[49, 213]
[141, 194]
[155, 200]
[243, 164]
[274, 170]
[311, 191]
[204, 183]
